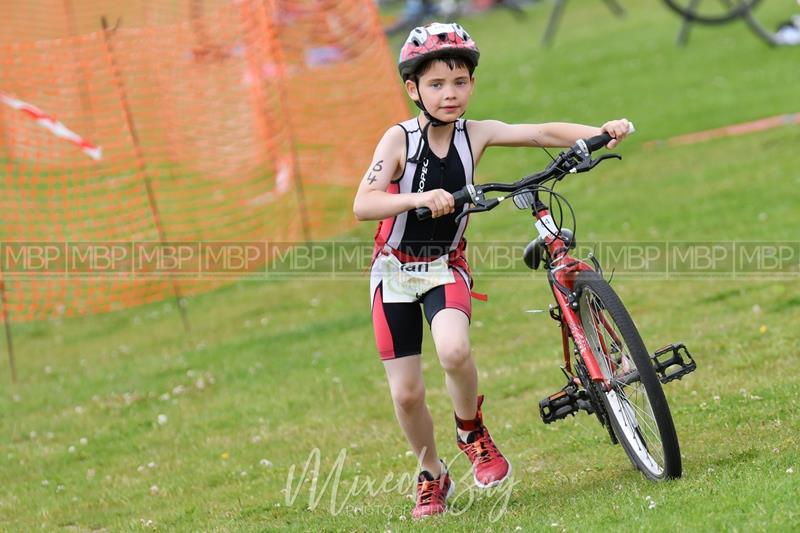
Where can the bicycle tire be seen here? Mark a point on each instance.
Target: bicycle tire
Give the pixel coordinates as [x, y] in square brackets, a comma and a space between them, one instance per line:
[620, 409]
[685, 9]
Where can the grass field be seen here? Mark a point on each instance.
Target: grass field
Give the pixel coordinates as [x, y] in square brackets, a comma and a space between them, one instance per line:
[122, 422]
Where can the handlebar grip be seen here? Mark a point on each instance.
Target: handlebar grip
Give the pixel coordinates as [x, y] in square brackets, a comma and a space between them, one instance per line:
[460, 197]
[598, 141]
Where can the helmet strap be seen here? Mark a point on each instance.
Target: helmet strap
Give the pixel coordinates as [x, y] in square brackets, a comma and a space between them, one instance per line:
[433, 121]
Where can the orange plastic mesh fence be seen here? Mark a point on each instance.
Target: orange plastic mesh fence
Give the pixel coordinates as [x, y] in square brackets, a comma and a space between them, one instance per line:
[181, 122]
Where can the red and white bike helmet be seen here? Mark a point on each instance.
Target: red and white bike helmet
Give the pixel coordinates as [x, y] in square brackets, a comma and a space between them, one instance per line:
[432, 41]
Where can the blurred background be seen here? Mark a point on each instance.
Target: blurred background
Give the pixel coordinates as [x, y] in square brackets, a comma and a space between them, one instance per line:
[184, 301]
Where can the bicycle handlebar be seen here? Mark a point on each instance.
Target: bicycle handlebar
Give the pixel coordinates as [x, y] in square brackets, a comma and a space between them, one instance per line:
[581, 150]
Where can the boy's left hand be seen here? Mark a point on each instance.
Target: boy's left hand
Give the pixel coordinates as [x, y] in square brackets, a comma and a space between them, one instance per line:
[618, 129]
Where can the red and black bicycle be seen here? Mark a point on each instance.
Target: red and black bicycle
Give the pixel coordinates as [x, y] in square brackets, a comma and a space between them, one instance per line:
[609, 371]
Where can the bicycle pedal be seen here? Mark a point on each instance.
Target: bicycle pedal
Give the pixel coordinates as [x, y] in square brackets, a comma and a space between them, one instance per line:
[679, 363]
[568, 401]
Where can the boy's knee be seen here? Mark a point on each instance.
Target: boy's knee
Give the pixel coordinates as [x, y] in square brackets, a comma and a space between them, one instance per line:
[408, 396]
[454, 355]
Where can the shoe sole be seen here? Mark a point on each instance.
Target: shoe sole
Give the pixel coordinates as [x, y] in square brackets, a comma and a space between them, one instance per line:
[493, 483]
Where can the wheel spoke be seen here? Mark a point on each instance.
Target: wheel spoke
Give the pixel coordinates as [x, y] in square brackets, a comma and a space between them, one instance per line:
[600, 346]
[646, 421]
[631, 433]
[645, 418]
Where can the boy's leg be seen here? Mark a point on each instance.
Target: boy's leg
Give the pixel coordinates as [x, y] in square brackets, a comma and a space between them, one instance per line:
[398, 334]
[450, 331]
[408, 395]
[448, 309]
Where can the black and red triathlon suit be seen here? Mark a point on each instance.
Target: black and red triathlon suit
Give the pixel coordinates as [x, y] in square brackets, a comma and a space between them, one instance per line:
[398, 326]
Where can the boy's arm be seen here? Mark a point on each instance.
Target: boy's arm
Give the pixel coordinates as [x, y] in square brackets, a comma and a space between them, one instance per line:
[548, 134]
[372, 202]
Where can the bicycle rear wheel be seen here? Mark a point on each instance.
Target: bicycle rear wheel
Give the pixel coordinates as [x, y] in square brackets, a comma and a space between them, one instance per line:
[635, 405]
[711, 11]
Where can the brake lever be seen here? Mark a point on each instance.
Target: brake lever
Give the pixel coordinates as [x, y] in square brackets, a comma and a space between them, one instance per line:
[481, 207]
[476, 209]
[589, 164]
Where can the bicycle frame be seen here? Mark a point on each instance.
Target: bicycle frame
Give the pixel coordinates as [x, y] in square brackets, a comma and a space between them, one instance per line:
[561, 276]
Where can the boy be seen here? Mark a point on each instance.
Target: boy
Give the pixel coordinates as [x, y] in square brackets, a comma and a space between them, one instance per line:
[420, 163]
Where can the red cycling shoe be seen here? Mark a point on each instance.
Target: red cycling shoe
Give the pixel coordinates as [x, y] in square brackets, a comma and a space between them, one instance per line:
[489, 466]
[432, 493]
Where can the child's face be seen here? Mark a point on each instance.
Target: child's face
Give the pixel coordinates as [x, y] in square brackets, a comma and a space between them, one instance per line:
[445, 91]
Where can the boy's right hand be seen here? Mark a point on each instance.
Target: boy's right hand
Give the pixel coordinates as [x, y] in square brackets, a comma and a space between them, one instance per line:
[439, 201]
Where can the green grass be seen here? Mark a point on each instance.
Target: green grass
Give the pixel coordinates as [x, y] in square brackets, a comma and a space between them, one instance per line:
[275, 370]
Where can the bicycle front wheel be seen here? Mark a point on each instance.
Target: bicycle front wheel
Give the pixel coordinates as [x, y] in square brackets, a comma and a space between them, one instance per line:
[635, 404]
[711, 11]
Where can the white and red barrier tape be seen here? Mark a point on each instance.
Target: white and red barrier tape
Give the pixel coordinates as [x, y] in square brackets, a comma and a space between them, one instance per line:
[53, 126]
